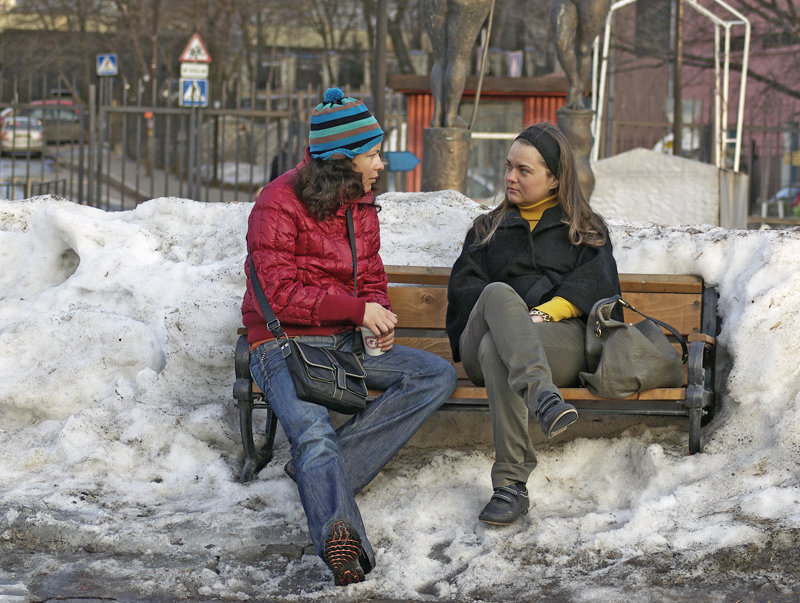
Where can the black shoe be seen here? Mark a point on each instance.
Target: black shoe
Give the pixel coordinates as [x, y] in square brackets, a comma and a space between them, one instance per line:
[341, 553]
[554, 414]
[507, 504]
[289, 470]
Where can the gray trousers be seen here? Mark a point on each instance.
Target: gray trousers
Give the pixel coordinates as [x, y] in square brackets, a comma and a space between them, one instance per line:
[518, 361]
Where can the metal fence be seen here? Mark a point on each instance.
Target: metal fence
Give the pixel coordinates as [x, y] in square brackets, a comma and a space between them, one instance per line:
[127, 152]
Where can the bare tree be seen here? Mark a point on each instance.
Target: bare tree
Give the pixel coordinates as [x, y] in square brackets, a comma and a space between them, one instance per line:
[774, 56]
[337, 23]
[69, 31]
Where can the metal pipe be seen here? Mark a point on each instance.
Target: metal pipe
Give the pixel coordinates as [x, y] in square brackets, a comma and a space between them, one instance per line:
[379, 85]
[483, 67]
[677, 95]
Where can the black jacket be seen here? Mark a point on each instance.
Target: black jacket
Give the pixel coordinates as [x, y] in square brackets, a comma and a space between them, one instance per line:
[539, 265]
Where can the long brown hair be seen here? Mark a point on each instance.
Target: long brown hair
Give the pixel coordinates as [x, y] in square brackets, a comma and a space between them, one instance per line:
[586, 227]
[324, 185]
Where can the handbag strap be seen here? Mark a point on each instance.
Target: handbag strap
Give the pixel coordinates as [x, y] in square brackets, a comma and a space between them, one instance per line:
[273, 324]
[681, 339]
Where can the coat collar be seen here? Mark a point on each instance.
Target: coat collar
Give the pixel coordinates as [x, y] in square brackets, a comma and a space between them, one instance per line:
[551, 218]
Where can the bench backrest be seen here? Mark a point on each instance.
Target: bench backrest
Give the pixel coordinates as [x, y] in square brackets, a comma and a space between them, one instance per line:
[419, 298]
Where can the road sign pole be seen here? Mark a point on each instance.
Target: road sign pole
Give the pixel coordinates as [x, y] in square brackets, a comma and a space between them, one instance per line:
[191, 166]
[91, 152]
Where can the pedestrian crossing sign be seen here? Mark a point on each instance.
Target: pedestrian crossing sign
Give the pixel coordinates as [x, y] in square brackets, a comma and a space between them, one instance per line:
[107, 64]
[194, 93]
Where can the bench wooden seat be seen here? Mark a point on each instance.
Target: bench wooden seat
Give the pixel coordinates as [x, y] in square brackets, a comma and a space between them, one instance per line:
[419, 298]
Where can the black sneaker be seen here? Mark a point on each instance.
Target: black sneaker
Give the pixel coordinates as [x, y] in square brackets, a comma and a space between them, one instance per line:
[554, 414]
[342, 552]
[507, 504]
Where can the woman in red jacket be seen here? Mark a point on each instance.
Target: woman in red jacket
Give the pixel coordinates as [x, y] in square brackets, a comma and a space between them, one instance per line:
[297, 237]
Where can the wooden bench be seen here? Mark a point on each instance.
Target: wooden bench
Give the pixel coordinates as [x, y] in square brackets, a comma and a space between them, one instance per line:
[419, 298]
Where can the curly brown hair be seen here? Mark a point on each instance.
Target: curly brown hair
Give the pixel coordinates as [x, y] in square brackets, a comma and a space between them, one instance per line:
[324, 185]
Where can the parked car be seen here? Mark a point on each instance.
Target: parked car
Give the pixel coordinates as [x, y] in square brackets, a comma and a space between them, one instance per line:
[61, 118]
[5, 114]
[789, 195]
[22, 135]
[786, 201]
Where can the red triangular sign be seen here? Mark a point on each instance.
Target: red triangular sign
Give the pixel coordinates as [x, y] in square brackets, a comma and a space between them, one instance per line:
[195, 51]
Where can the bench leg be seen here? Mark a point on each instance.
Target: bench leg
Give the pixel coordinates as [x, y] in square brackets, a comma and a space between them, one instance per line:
[695, 419]
[255, 460]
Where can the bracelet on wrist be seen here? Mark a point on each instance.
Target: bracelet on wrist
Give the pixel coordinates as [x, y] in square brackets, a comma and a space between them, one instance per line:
[544, 315]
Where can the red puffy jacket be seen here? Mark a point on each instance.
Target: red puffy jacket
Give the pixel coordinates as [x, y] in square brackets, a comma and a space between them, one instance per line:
[305, 265]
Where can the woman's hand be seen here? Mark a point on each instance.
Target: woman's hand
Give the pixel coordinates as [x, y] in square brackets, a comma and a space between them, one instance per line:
[539, 316]
[380, 321]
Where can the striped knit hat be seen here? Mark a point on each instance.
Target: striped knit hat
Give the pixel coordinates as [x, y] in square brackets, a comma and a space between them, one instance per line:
[342, 127]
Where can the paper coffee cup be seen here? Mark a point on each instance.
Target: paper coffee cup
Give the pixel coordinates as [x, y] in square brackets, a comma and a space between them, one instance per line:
[371, 347]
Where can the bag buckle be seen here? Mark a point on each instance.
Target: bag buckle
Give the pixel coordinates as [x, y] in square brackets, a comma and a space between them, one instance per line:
[286, 349]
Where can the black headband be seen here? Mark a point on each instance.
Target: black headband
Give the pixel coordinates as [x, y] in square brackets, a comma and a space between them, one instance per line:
[545, 144]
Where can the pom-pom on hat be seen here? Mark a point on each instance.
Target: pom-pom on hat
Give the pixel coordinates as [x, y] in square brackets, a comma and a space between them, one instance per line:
[341, 127]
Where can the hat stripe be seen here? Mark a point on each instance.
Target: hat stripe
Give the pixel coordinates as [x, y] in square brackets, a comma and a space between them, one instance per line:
[347, 109]
[336, 119]
[343, 130]
[352, 143]
[352, 105]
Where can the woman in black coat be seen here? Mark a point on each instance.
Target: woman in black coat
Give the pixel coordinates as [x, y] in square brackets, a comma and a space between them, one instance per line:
[529, 272]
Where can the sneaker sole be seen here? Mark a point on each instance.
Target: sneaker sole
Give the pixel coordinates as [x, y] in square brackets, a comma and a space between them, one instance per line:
[557, 429]
[342, 551]
[503, 523]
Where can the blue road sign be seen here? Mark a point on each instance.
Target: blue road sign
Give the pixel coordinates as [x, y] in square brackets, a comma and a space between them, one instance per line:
[194, 93]
[107, 64]
[400, 161]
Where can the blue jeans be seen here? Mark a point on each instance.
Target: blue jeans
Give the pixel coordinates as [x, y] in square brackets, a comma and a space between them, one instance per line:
[331, 466]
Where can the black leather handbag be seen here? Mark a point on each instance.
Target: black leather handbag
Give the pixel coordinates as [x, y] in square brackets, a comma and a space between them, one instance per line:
[333, 378]
[624, 358]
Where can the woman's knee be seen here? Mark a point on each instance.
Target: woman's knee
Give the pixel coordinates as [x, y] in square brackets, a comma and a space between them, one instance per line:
[499, 294]
[315, 443]
[498, 288]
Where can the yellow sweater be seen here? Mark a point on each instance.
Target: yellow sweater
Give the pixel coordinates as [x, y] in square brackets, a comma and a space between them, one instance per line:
[558, 308]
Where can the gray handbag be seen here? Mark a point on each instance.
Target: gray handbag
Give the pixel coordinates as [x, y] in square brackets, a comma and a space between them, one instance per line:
[624, 359]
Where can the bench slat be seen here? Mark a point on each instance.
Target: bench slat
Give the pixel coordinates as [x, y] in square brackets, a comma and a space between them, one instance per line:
[661, 283]
[682, 311]
[426, 307]
[419, 307]
[437, 345]
[473, 392]
[423, 275]
[665, 283]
